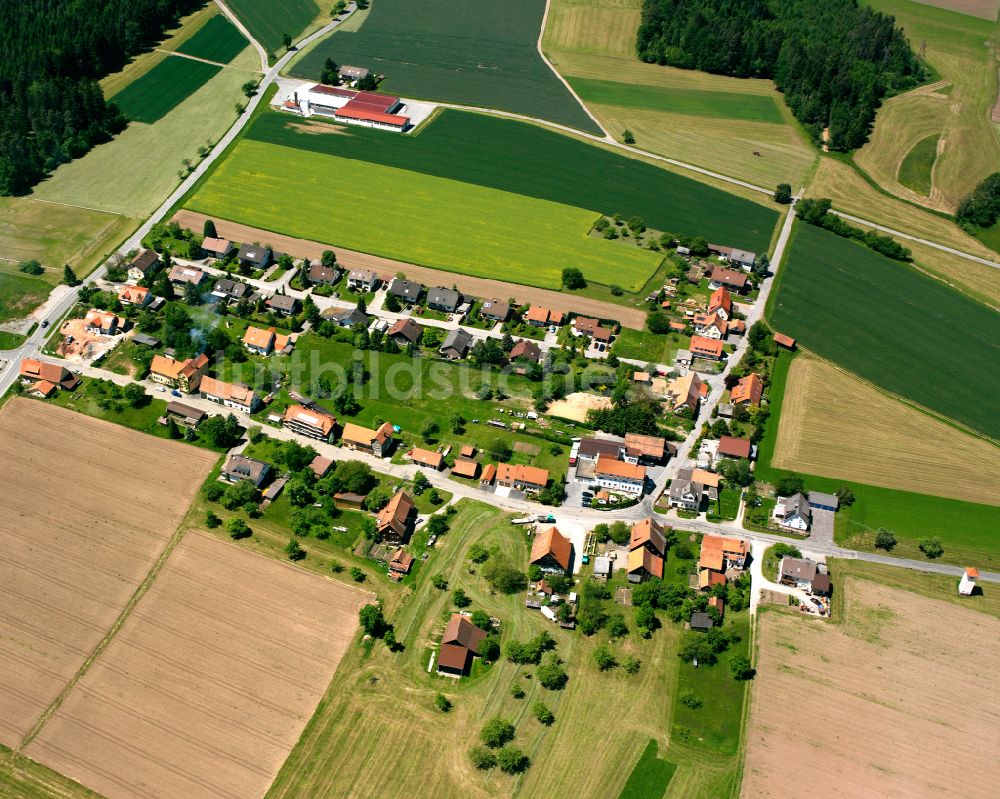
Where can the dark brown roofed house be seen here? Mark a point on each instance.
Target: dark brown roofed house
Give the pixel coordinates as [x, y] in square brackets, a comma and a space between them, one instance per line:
[459, 645]
[405, 331]
[730, 447]
[394, 519]
[527, 350]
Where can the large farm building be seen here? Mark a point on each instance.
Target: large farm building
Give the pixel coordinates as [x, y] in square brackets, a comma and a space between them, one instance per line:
[371, 109]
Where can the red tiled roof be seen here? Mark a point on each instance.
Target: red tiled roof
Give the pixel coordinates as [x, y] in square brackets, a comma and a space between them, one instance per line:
[734, 447]
[551, 542]
[352, 111]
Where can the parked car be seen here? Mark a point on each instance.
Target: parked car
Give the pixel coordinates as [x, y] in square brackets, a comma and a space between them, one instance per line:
[160, 388]
[176, 393]
[45, 323]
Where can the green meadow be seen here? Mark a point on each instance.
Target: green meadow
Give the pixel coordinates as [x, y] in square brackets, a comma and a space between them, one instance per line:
[218, 40]
[415, 217]
[915, 170]
[530, 160]
[268, 20]
[695, 102]
[165, 86]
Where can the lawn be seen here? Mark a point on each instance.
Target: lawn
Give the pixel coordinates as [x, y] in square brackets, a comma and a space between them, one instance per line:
[650, 775]
[10, 341]
[218, 40]
[473, 148]
[695, 102]
[641, 345]
[916, 168]
[20, 294]
[488, 233]
[439, 50]
[269, 20]
[163, 88]
[888, 323]
[729, 502]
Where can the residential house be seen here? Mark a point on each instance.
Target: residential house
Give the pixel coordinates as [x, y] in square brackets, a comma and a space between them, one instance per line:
[425, 457]
[685, 492]
[750, 389]
[710, 349]
[967, 585]
[130, 294]
[311, 422]
[254, 256]
[730, 279]
[784, 341]
[720, 304]
[488, 476]
[238, 468]
[643, 564]
[405, 290]
[346, 317]
[282, 304]
[592, 448]
[442, 299]
[264, 342]
[719, 554]
[185, 414]
[231, 395]
[405, 332]
[551, 551]
[797, 571]
[348, 73]
[743, 259]
[465, 468]
[529, 479]
[400, 564]
[143, 265]
[51, 375]
[684, 392]
[181, 275]
[363, 439]
[710, 325]
[494, 310]
[231, 290]
[319, 275]
[793, 512]
[648, 534]
[459, 646]
[216, 247]
[393, 522]
[320, 466]
[645, 449]
[525, 350]
[103, 323]
[183, 375]
[456, 344]
[820, 585]
[362, 280]
[616, 475]
[820, 501]
[537, 316]
[586, 326]
[736, 448]
[710, 480]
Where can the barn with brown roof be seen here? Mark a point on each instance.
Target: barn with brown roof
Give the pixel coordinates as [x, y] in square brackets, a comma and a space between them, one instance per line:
[458, 646]
[551, 551]
[393, 521]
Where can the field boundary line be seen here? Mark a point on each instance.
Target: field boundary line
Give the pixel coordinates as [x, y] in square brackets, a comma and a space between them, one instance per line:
[207, 61]
[538, 46]
[231, 16]
[126, 612]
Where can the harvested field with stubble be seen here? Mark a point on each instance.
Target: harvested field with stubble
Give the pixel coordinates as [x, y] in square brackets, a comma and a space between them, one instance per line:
[89, 507]
[904, 688]
[835, 425]
[210, 681]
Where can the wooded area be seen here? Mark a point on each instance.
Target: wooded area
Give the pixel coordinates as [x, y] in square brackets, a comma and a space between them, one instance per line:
[834, 61]
[51, 107]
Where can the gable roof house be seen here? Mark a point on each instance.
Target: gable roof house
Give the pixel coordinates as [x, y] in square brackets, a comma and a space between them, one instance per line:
[239, 467]
[425, 457]
[404, 332]
[264, 342]
[442, 299]
[551, 551]
[617, 475]
[538, 316]
[720, 304]
[465, 468]
[591, 449]
[216, 247]
[393, 521]
[648, 534]
[400, 564]
[53, 375]
[799, 572]
[494, 310]
[375, 442]
[144, 264]
[183, 375]
[104, 323]
[645, 449]
[458, 646]
[750, 389]
[346, 317]
[319, 275]
[685, 491]
[710, 325]
[181, 275]
[405, 290]
[521, 478]
[231, 395]
[684, 391]
[362, 280]
[720, 553]
[524, 349]
[643, 564]
[282, 304]
[231, 290]
[130, 294]
[456, 344]
[254, 255]
[731, 279]
[793, 512]
[702, 347]
[311, 422]
[730, 447]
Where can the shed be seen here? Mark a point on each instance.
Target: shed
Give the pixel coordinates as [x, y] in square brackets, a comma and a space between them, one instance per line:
[602, 567]
[701, 621]
[821, 501]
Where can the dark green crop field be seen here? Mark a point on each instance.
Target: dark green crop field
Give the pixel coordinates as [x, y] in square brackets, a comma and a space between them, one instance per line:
[694, 102]
[267, 20]
[218, 40]
[482, 54]
[891, 325]
[165, 86]
[526, 159]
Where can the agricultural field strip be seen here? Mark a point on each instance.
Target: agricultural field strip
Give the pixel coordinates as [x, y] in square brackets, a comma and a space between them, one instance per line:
[58, 462]
[199, 675]
[164, 87]
[218, 40]
[267, 20]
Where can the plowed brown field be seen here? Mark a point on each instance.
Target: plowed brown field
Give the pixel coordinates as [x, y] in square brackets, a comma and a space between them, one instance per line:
[87, 508]
[898, 700]
[210, 681]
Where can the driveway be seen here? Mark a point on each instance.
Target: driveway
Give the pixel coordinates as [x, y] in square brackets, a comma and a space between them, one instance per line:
[822, 527]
